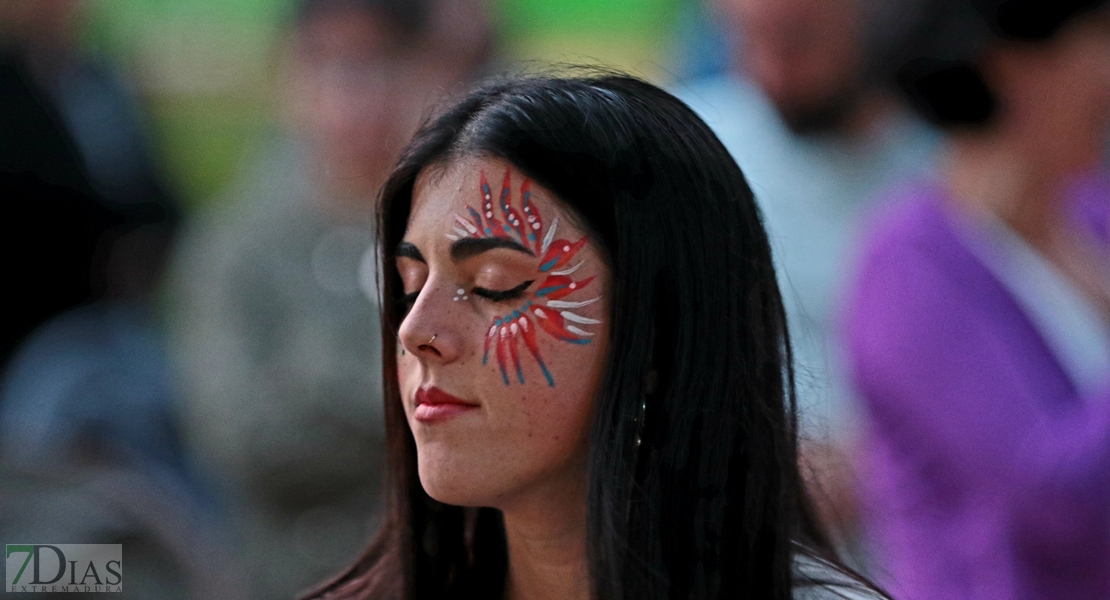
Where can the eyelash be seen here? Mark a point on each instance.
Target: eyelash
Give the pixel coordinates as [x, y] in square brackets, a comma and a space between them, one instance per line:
[501, 296]
[404, 303]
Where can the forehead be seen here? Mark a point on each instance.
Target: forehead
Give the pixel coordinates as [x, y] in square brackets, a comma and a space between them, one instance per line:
[445, 195]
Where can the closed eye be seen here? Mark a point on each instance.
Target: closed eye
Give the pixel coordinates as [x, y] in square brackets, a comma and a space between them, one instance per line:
[502, 295]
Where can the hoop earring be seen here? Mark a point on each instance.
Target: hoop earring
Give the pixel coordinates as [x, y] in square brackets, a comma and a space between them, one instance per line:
[639, 420]
[651, 381]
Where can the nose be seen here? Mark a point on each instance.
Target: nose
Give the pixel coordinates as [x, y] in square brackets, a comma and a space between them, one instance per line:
[430, 331]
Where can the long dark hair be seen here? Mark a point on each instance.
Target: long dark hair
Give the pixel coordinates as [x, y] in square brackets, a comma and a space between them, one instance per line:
[694, 489]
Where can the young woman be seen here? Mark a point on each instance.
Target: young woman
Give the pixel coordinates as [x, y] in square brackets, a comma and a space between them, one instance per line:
[980, 322]
[588, 382]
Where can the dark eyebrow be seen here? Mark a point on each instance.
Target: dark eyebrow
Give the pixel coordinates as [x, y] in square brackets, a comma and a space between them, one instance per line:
[468, 246]
[407, 250]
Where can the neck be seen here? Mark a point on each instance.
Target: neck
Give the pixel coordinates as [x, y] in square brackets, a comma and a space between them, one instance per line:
[546, 535]
[986, 175]
[991, 173]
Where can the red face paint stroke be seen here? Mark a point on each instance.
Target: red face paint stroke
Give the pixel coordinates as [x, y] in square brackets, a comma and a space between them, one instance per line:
[546, 309]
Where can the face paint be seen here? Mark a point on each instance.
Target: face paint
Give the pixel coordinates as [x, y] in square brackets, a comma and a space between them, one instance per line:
[546, 309]
[523, 317]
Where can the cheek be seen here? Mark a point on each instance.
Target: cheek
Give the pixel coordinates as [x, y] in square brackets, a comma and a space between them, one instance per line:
[553, 430]
[539, 375]
[538, 430]
[558, 416]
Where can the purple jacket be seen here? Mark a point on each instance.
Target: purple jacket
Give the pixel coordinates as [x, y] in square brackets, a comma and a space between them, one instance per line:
[987, 475]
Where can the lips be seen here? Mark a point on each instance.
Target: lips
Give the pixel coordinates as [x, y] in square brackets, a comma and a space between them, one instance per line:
[434, 404]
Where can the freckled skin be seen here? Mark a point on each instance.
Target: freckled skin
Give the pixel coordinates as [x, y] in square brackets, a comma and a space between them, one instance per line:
[523, 438]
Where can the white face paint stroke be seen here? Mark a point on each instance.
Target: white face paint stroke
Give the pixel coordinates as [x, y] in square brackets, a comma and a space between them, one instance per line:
[466, 225]
[460, 232]
[566, 304]
[453, 238]
[567, 271]
[579, 318]
[550, 236]
[578, 331]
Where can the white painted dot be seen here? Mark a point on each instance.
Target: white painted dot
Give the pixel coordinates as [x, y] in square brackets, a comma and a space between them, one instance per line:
[566, 248]
[572, 285]
[460, 291]
[489, 215]
[535, 226]
[514, 328]
[531, 219]
[466, 297]
[456, 298]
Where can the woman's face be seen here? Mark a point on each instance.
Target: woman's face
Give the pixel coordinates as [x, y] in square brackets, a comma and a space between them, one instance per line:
[1057, 93]
[504, 343]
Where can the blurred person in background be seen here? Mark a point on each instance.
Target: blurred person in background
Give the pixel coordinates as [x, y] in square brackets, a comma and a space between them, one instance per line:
[979, 324]
[804, 108]
[86, 208]
[90, 449]
[276, 303]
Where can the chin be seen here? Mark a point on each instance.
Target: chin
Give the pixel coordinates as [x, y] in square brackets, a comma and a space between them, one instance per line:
[453, 479]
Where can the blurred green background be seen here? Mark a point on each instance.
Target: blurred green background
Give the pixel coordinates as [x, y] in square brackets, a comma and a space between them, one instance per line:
[206, 68]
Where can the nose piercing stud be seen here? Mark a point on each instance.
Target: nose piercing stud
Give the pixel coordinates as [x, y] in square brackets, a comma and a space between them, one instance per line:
[460, 294]
[432, 340]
